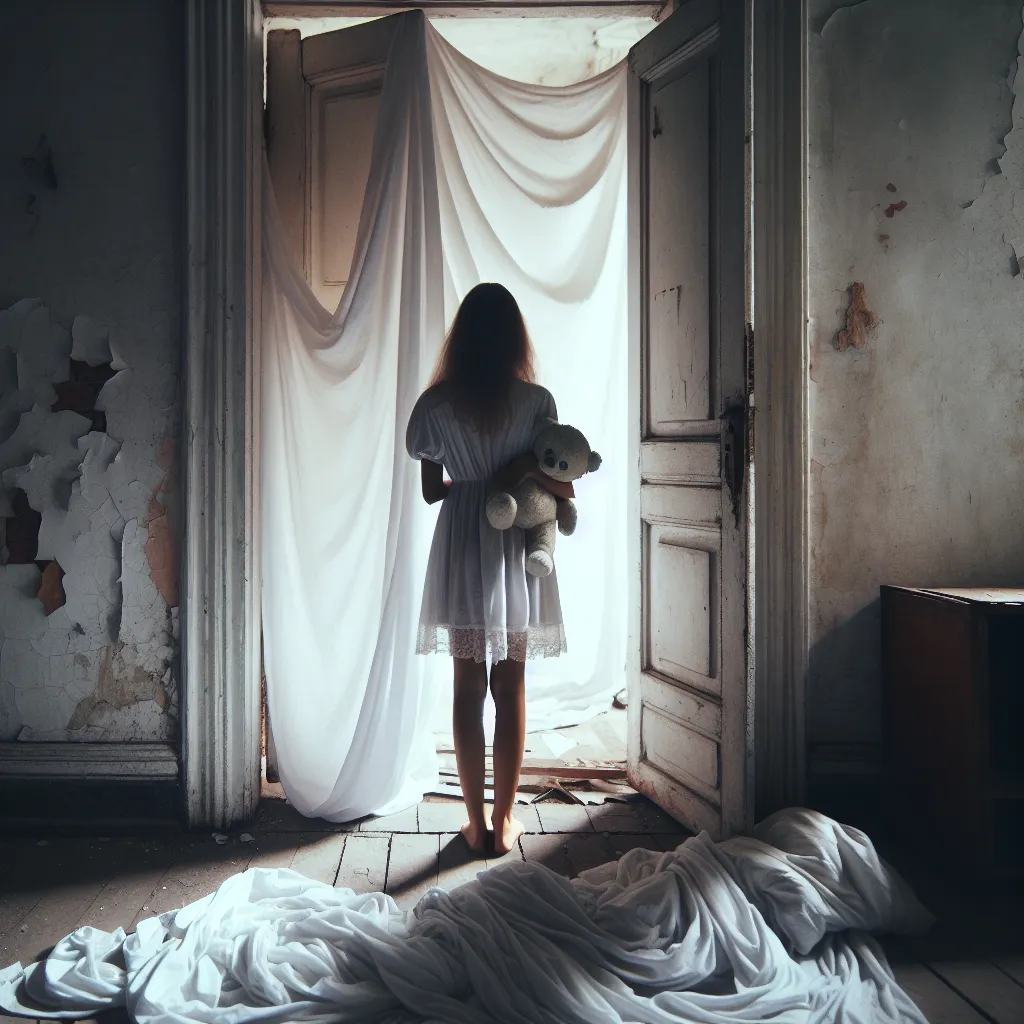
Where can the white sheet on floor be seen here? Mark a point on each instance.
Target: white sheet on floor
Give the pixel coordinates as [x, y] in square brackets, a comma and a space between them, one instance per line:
[472, 178]
[773, 927]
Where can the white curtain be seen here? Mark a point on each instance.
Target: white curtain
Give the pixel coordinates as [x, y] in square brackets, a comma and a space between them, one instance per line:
[473, 178]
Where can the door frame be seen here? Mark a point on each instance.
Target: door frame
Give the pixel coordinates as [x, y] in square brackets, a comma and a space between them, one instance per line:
[220, 614]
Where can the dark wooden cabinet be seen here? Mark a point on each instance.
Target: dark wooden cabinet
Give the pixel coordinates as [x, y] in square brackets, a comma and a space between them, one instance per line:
[953, 720]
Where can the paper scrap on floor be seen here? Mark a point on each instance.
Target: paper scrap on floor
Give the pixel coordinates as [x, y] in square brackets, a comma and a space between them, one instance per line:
[771, 927]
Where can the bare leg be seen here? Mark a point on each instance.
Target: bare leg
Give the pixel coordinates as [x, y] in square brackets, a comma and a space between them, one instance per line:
[468, 732]
[509, 692]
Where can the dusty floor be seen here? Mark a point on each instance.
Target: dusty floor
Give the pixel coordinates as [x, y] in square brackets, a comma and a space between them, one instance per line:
[968, 970]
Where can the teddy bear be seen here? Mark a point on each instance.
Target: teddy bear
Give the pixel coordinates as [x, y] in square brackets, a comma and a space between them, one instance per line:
[565, 455]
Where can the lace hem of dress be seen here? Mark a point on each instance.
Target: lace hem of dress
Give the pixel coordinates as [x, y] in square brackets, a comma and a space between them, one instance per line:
[482, 644]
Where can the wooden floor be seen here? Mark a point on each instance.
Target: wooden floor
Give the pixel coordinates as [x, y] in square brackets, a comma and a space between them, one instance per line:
[968, 970]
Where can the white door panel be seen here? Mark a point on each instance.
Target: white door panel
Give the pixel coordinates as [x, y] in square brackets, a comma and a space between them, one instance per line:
[690, 701]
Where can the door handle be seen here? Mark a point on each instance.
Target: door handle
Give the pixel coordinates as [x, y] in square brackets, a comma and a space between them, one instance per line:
[734, 444]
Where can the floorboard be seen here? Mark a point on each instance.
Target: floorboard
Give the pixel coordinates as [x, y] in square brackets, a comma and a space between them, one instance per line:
[1012, 965]
[985, 986]
[364, 863]
[319, 856]
[550, 850]
[403, 821]
[586, 851]
[412, 867]
[559, 817]
[615, 817]
[936, 1000]
[199, 867]
[969, 969]
[119, 902]
[277, 849]
[456, 864]
[69, 873]
[443, 816]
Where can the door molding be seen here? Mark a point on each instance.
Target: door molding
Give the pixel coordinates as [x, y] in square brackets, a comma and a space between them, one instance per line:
[220, 635]
[220, 641]
[780, 400]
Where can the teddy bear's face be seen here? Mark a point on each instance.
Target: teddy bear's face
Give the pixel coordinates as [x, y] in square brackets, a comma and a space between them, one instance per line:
[564, 453]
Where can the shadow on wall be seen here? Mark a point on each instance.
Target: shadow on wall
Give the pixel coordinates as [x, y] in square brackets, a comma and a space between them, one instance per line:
[839, 663]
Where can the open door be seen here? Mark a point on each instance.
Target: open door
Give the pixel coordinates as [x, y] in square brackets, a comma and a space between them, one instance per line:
[691, 671]
[323, 96]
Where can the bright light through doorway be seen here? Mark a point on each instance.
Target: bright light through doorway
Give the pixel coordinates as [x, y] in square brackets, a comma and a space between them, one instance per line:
[548, 51]
[541, 51]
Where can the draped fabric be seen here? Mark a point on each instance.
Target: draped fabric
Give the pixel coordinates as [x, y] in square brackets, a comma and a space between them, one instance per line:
[473, 177]
[774, 927]
[532, 193]
[342, 559]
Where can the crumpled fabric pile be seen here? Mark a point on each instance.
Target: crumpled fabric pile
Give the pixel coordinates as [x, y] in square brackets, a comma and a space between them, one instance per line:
[770, 927]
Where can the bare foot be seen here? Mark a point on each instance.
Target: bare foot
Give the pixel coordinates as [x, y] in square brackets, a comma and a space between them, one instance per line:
[506, 832]
[475, 836]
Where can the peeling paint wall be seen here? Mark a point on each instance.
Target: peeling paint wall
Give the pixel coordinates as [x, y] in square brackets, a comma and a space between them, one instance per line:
[91, 206]
[916, 185]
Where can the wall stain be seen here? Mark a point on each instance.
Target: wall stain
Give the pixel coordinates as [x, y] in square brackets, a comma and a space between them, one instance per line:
[119, 686]
[51, 588]
[860, 321]
[893, 208]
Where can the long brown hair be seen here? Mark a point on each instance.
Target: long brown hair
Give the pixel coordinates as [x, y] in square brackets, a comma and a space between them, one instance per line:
[486, 351]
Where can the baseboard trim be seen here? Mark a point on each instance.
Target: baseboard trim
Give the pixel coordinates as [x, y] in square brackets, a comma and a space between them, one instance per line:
[129, 762]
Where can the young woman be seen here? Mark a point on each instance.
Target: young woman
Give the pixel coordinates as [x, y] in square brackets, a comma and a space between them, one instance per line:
[478, 420]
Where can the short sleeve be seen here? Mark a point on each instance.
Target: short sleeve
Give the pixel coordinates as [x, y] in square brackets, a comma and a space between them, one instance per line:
[422, 438]
[548, 409]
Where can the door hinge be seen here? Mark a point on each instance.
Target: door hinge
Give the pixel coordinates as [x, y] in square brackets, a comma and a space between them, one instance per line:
[734, 438]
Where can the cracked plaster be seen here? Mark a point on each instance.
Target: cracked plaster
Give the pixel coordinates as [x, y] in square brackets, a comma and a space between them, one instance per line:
[101, 667]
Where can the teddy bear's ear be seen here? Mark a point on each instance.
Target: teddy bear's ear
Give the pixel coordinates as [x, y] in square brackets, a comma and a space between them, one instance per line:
[593, 463]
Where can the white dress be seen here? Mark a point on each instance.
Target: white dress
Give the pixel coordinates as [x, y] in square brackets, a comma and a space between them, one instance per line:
[478, 600]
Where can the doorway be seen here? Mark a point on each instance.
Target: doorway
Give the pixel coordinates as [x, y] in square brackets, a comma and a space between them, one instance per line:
[326, 73]
[220, 621]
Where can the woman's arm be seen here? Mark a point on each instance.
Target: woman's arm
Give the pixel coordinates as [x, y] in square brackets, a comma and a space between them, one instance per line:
[432, 479]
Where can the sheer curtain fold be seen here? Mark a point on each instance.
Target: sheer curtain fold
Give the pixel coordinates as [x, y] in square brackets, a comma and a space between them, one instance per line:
[473, 177]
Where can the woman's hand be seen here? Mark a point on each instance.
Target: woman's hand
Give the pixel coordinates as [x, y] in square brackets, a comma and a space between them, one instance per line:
[528, 466]
[515, 473]
[435, 487]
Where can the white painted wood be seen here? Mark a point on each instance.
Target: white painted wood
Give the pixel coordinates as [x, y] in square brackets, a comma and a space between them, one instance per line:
[690, 673]
[323, 94]
[342, 125]
[679, 342]
[679, 591]
[780, 355]
[136, 762]
[220, 640]
[670, 462]
[287, 130]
